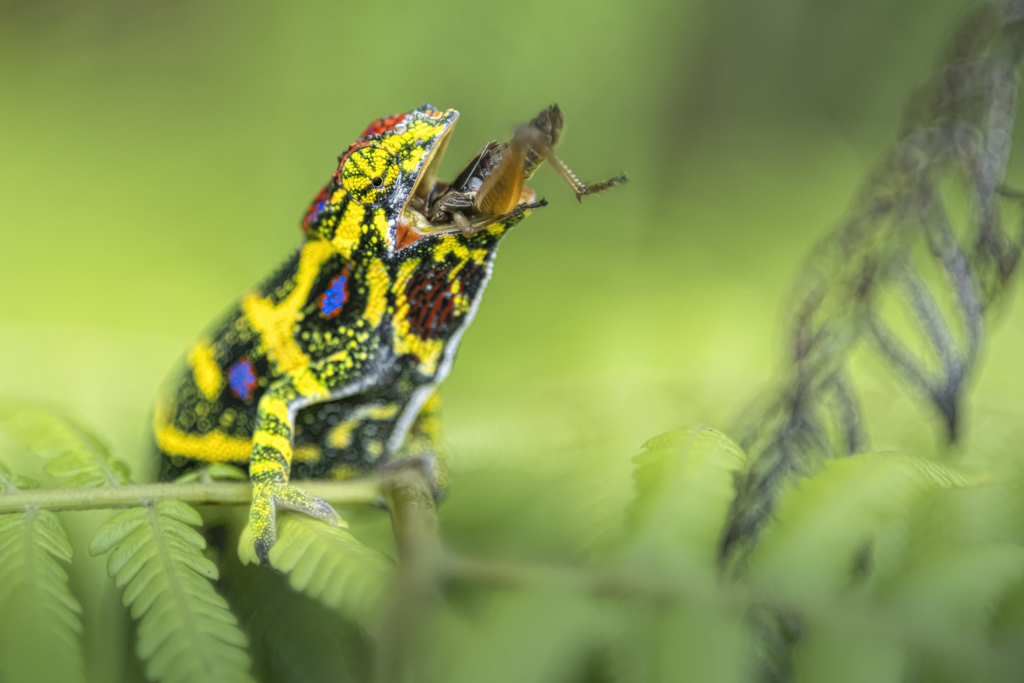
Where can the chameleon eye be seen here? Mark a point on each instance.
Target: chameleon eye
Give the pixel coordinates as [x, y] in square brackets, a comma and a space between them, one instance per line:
[369, 174]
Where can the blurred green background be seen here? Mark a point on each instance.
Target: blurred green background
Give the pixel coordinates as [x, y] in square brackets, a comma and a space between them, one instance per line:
[156, 157]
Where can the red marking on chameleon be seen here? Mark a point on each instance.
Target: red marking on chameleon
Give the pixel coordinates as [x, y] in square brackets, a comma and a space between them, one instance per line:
[432, 301]
[383, 125]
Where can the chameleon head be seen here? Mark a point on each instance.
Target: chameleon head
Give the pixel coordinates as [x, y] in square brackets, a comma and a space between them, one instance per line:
[383, 170]
[386, 185]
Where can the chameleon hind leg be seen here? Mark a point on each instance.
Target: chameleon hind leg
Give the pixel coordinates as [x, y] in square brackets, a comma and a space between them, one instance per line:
[351, 436]
[270, 464]
[423, 442]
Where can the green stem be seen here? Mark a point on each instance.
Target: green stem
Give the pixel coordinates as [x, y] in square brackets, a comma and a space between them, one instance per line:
[410, 501]
[363, 492]
[413, 515]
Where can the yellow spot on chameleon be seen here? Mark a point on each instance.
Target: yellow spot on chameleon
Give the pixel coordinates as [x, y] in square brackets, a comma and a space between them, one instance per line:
[380, 224]
[340, 436]
[257, 467]
[307, 452]
[209, 377]
[340, 472]
[450, 244]
[346, 237]
[214, 446]
[382, 412]
[275, 323]
[378, 281]
[280, 443]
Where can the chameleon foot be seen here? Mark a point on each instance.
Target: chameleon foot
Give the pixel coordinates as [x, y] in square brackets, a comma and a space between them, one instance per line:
[267, 499]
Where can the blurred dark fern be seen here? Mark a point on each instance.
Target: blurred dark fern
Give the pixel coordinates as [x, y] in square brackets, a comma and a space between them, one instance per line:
[923, 255]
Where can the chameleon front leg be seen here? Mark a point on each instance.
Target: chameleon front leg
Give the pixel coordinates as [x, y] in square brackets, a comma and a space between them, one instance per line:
[270, 464]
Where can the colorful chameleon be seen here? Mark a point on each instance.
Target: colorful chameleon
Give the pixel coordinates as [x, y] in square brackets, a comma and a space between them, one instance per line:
[330, 366]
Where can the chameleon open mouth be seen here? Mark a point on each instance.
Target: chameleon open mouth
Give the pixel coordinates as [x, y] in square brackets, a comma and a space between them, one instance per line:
[426, 187]
[490, 188]
[429, 207]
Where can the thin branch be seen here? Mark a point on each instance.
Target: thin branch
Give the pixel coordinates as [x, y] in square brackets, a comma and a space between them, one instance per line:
[410, 500]
[361, 492]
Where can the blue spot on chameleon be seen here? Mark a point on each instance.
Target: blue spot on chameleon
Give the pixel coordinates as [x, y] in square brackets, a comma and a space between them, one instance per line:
[335, 297]
[242, 379]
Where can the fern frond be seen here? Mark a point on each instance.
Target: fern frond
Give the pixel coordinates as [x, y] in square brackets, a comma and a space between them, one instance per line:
[40, 621]
[186, 632]
[75, 457]
[684, 487]
[541, 636]
[957, 586]
[844, 657]
[823, 522]
[9, 481]
[326, 563]
[294, 638]
[659, 642]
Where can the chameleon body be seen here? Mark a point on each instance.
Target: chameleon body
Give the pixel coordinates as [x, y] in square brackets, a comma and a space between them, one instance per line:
[329, 367]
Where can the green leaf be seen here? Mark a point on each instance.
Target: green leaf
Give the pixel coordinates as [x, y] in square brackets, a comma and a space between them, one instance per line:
[684, 487]
[538, 636]
[824, 656]
[13, 482]
[294, 638]
[328, 564]
[39, 618]
[668, 643]
[75, 457]
[956, 587]
[186, 632]
[823, 522]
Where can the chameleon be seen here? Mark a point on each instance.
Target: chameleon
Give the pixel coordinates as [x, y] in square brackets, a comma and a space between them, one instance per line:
[329, 367]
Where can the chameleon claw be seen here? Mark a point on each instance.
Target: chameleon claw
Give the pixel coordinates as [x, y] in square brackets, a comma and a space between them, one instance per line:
[263, 550]
[269, 498]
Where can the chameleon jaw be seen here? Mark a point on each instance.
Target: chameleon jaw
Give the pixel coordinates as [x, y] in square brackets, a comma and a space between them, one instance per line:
[490, 188]
[411, 217]
[413, 221]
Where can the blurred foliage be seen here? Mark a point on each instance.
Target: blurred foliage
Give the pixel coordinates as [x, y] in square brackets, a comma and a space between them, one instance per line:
[927, 249]
[156, 160]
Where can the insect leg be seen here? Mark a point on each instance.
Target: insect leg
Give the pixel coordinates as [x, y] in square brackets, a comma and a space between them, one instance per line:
[469, 229]
[580, 188]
